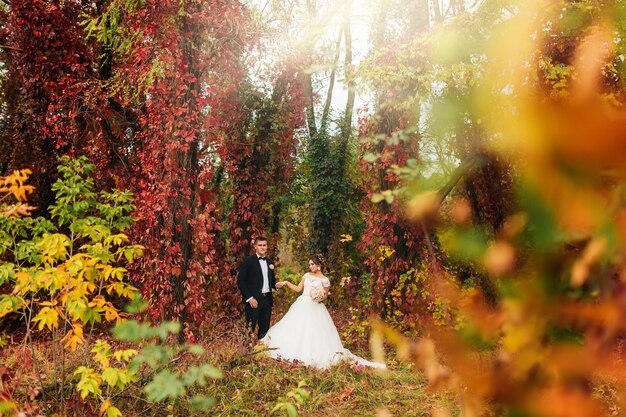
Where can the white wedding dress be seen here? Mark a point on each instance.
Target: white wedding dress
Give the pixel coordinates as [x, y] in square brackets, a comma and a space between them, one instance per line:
[306, 333]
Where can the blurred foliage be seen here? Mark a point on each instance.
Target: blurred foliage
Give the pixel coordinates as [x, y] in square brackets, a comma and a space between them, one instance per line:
[533, 92]
[117, 369]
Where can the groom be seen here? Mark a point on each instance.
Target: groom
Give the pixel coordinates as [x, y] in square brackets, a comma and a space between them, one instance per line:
[256, 281]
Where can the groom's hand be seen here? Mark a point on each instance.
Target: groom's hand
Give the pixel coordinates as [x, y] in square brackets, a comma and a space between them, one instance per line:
[253, 303]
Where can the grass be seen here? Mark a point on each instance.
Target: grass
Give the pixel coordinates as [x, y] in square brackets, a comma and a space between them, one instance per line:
[252, 385]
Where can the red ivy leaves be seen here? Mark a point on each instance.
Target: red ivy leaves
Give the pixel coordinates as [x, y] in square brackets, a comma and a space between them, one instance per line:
[161, 120]
[387, 228]
[47, 76]
[259, 157]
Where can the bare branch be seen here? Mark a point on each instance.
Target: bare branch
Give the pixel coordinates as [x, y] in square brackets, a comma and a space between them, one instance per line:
[349, 73]
[331, 83]
[465, 168]
[10, 47]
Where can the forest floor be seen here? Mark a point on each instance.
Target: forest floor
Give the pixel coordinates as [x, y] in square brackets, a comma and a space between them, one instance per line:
[254, 384]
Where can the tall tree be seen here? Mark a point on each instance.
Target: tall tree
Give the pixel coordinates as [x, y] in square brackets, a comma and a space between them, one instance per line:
[184, 64]
[203, 131]
[259, 158]
[393, 245]
[332, 193]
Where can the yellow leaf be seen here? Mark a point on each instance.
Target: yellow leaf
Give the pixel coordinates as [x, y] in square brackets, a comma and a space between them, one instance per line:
[97, 302]
[122, 289]
[74, 337]
[118, 273]
[125, 355]
[113, 412]
[47, 317]
[53, 247]
[346, 238]
[47, 303]
[110, 313]
[89, 382]
[105, 405]
[78, 330]
[106, 271]
[23, 283]
[102, 352]
[14, 184]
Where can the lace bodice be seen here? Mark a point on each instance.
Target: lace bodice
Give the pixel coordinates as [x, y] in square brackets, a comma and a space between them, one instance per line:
[311, 280]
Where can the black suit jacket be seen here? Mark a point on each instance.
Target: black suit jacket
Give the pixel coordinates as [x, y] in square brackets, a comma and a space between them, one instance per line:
[250, 278]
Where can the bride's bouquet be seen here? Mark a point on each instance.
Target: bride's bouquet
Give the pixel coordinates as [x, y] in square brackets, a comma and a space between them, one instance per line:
[318, 294]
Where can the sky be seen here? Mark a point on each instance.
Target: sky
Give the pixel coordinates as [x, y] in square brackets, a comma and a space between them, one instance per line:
[361, 15]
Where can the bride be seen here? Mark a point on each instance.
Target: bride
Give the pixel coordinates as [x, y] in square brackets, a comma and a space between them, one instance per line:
[306, 333]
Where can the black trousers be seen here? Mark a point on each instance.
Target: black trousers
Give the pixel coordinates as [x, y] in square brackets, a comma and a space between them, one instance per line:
[259, 316]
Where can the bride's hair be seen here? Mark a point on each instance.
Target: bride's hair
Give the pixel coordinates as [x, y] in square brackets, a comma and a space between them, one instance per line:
[318, 260]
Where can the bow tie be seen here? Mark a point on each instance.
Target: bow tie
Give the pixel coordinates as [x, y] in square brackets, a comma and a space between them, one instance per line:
[262, 258]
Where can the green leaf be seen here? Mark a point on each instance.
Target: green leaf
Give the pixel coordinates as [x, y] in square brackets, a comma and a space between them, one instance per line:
[196, 349]
[377, 198]
[164, 329]
[543, 231]
[92, 315]
[370, 157]
[198, 375]
[291, 410]
[153, 356]
[10, 303]
[116, 377]
[201, 403]
[131, 252]
[165, 385]
[89, 382]
[133, 331]
[7, 272]
[125, 355]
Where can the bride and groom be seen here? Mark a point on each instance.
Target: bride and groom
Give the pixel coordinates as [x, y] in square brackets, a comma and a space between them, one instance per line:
[306, 333]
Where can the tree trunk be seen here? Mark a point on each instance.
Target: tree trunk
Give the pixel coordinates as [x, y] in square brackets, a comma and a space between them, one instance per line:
[188, 164]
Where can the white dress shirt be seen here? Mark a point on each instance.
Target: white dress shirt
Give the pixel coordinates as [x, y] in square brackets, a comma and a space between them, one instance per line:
[266, 276]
